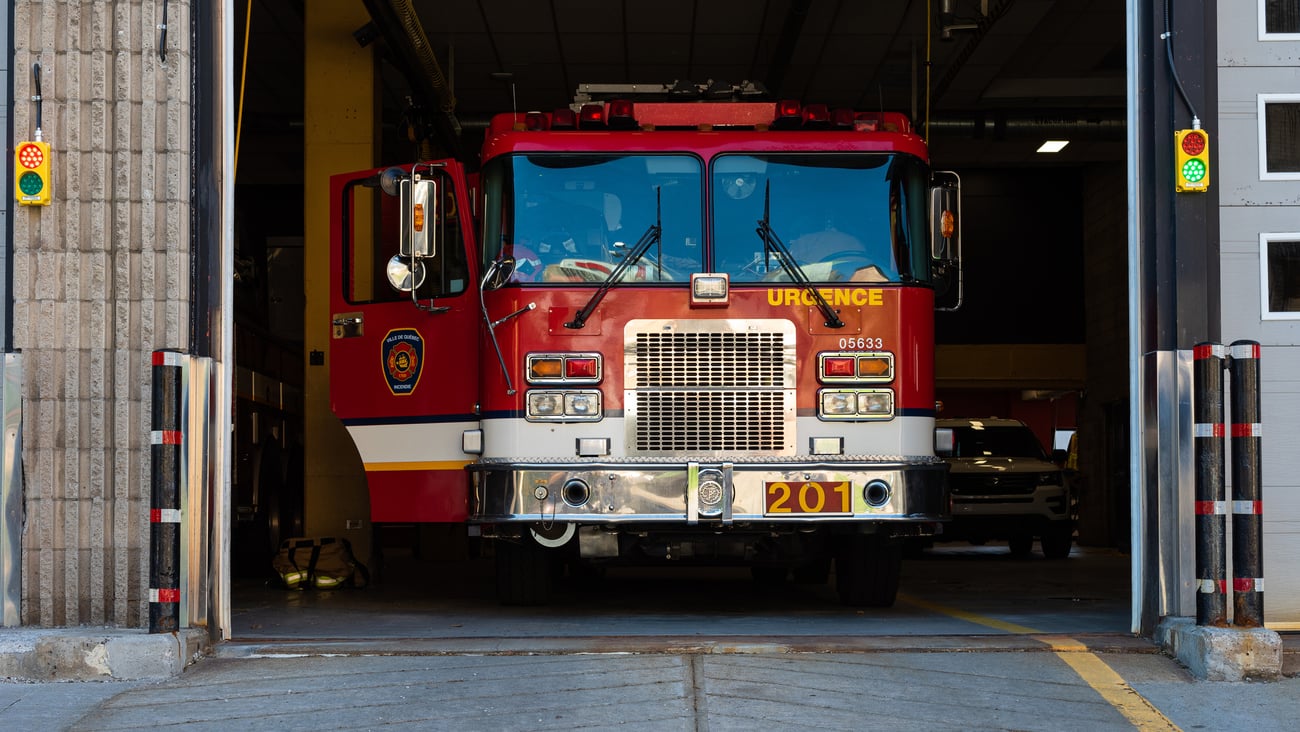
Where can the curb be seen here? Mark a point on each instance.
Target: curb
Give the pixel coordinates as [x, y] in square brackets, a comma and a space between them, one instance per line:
[1222, 654]
[98, 654]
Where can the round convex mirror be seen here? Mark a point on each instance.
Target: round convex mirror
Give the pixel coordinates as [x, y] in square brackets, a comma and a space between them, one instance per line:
[402, 276]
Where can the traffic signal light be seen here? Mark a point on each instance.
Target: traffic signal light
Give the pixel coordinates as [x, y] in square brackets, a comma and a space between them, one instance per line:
[32, 173]
[1192, 161]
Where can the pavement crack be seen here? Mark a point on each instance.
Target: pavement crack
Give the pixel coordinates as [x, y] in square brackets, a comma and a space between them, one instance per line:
[699, 706]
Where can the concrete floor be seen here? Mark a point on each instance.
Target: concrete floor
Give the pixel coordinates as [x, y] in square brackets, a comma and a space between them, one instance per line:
[953, 589]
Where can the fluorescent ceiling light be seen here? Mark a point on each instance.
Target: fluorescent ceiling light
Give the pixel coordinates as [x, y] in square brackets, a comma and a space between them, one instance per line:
[1053, 146]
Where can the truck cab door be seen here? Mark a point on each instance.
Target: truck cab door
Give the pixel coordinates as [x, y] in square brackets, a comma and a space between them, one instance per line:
[404, 322]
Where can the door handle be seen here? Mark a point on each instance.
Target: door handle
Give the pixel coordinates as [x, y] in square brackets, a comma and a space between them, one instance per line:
[348, 325]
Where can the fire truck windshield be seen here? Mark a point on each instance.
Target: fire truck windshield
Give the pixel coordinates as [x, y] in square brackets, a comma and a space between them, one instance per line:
[574, 218]
[843, 217]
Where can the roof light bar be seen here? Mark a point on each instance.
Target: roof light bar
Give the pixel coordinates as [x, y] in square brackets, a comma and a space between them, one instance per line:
[592, 117]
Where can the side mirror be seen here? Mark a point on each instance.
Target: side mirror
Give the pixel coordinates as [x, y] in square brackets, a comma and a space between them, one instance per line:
[945, 239]
[419, 217]
[405, 274]
[944, 442]
[497, 274]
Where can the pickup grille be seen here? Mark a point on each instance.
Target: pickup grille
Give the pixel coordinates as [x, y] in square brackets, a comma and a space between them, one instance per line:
[992, 485]
[709, 386]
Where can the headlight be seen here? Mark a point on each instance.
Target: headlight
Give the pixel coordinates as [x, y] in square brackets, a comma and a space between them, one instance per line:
[582, 404]
[564, 406]
[1050, 479]
[839, 403]
[876, 403]
[856, 404]
[544, 404]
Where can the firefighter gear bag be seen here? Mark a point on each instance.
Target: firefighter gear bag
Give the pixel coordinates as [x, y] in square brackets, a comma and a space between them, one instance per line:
[324, 564]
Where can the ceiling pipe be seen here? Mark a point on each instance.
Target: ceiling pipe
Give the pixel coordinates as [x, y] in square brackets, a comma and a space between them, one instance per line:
[1109, 125]
[403, 34]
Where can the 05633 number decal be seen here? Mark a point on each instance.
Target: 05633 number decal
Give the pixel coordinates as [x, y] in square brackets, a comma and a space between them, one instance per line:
[861, 344]
[786, 497]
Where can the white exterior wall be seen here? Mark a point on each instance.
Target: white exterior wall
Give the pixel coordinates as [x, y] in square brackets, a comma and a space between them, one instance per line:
[101, 280]
[1250, 206]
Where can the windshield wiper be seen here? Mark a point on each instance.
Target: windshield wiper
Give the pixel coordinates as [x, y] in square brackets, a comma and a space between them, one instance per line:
[652, 235]
[772, 244]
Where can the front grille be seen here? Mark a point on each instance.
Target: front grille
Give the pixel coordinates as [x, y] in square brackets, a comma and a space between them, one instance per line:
[709, 386]
[992, 485]
[699, 360]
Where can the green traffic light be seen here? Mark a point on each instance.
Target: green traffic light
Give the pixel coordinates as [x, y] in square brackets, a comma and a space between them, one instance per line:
[1193, 170]
[30, 183]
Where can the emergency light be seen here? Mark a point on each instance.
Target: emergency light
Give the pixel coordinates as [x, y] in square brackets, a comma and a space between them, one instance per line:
[1191, 161]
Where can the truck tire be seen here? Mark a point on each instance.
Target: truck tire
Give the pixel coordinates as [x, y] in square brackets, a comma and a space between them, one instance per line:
[867, 570]
[1056, 541]
[815, 571]
[1021, 544]
[523, 572]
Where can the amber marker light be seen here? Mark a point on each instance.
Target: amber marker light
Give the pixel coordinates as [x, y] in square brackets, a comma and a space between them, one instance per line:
[549, 367]
[879, 367]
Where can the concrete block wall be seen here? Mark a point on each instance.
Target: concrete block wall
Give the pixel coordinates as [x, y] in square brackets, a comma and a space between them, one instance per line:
[101, 280]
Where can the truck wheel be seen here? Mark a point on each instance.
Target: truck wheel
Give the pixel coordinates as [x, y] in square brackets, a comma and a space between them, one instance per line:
[815, 571]
[523, 572]
[1056, 541]
[1021, 544]
[867, 569]
[769, 575]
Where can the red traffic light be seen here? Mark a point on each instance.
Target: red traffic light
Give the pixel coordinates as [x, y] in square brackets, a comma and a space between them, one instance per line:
[1194, 143]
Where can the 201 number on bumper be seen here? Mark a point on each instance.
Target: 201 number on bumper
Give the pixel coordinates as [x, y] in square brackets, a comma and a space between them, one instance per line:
[787, 497]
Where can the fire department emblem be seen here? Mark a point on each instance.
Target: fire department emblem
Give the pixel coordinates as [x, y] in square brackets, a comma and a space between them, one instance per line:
[403, 353]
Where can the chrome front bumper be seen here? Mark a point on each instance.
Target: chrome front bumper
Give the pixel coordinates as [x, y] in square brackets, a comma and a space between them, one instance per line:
[682, 492]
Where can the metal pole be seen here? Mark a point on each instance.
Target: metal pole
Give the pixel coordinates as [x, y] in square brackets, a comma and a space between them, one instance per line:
[165, 504]
[1211, 508]
[1247, 498]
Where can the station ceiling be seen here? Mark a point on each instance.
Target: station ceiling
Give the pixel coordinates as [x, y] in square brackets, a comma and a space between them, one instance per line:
[1003, 75]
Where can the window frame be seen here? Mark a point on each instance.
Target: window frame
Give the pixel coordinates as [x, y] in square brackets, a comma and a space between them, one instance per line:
[1266, 239]
[1263, 101]
[1264, 35]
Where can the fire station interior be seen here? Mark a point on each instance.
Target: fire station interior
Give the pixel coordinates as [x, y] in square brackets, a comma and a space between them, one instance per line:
[1040, 337]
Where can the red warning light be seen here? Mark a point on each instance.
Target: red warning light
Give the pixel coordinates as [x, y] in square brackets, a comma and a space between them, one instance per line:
[30, 156]
[1194, 143]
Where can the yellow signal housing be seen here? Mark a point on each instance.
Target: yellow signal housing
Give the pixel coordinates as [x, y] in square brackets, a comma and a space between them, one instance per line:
[32, 173]
[1191, 161]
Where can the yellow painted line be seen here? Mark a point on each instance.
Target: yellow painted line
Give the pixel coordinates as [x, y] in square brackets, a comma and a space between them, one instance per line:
[953, 612]
[1103, 679]
[427, 465]
[1116, 691]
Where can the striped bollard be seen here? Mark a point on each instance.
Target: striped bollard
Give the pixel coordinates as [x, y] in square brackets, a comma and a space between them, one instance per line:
[1247, 498]
[165, 498]
[1211, 508]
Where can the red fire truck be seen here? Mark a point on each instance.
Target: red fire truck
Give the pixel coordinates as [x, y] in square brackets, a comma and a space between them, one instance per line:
[654, 331]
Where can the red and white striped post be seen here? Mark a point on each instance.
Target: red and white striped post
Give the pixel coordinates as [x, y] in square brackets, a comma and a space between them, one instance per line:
[1211, 508]
[1247, 498]
[165, 504]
